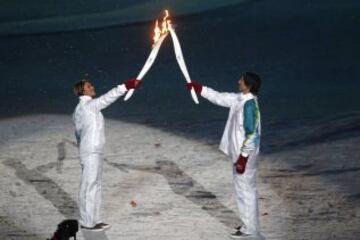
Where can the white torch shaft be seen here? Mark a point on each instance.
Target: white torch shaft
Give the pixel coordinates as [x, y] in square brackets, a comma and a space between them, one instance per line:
[149, 62]
[181, 61]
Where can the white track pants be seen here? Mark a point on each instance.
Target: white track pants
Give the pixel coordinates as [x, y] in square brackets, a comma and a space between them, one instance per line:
[246, 196]
[90, 190]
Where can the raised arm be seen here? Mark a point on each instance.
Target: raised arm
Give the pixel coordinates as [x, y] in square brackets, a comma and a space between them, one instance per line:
[218, 98]
[108, 98]
[112, 95]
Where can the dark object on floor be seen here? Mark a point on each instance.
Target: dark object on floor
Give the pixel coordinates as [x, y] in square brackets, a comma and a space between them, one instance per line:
[66, 229]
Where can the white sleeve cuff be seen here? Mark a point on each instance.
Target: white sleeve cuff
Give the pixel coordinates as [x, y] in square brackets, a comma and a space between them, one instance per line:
[244, 154]
[122, 88]
[203, 91]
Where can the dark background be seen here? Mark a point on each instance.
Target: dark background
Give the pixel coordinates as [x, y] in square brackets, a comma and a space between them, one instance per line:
[307, 53]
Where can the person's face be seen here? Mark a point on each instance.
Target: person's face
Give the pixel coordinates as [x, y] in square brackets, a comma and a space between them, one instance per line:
[89, 90]
[242, 87]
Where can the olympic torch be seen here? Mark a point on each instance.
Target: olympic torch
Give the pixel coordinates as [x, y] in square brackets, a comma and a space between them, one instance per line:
[159, 37]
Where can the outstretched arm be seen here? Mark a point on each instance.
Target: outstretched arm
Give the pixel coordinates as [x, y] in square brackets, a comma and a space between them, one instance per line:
[218, 98]
[108, 98]
[112, 95]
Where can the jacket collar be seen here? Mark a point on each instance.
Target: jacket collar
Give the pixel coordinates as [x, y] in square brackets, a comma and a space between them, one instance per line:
[246, 97]
[85, 98]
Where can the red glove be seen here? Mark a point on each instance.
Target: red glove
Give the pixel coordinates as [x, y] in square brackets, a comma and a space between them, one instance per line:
[197, 86]
[240, 165]
[132, 83]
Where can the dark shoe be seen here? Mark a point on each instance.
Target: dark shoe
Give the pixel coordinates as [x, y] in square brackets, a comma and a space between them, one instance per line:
[238, 228]
[239, 234]
[104, 226]
[94, 229]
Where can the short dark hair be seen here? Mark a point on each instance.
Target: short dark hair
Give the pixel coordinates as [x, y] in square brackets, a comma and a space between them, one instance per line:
[253, 81]
[79, 87]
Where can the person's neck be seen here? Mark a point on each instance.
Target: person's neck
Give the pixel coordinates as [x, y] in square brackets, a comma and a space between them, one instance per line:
[86, 96]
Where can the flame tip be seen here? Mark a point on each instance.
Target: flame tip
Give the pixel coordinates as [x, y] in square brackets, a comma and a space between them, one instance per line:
[165, 25]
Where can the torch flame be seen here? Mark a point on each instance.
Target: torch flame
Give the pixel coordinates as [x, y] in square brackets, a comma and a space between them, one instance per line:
[165, 23]
[157, 32]
[164, 27]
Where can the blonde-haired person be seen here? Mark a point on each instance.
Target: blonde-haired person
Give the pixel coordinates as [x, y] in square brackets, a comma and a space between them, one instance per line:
[90, 136]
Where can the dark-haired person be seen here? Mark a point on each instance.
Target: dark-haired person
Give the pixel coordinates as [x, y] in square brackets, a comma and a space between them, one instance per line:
[90, 136]
[240, 141]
